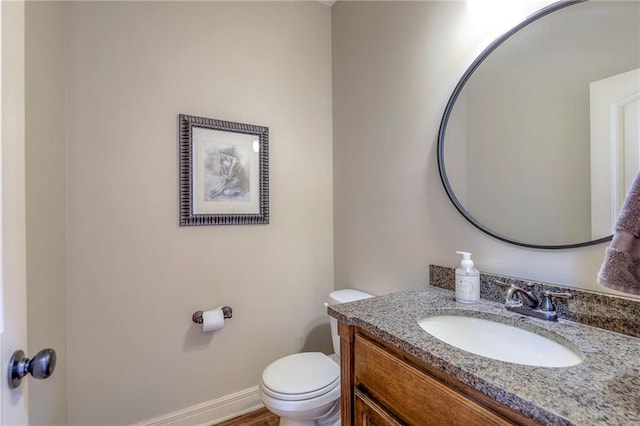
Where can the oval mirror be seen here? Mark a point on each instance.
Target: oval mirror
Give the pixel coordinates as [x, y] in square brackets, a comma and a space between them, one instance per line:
[539, 140]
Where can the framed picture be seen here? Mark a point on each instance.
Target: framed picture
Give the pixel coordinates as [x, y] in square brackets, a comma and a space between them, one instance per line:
[224, 172]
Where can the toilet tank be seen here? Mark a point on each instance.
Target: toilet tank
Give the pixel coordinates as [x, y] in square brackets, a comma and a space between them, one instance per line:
[342, 296]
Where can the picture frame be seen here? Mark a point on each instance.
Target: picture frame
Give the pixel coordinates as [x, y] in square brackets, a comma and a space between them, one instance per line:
[223, 172]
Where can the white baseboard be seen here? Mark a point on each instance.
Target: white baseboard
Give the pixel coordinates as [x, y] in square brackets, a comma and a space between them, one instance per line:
[211, 412]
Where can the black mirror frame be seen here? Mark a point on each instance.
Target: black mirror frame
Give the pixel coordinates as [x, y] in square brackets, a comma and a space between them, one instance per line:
[447, 113]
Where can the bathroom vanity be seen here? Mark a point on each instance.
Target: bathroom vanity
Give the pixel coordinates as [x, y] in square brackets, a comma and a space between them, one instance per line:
[389, 387]
[395, 373]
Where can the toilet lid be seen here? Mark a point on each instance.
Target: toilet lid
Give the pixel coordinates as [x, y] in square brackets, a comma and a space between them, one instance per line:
[306, 375]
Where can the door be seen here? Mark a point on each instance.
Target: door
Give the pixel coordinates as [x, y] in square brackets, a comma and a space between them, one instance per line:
[13, 319]
[615, 146]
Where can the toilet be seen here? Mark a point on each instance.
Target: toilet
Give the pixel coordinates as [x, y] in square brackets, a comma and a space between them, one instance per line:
[304, 388]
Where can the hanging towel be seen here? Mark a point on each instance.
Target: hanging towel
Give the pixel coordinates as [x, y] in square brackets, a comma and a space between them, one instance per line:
[621, 267]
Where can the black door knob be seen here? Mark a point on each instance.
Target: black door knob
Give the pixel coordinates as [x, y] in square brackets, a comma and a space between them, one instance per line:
[40, 366]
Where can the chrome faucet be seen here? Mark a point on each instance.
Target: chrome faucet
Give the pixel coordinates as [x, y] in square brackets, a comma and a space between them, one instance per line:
[525, 302]
[527, 298]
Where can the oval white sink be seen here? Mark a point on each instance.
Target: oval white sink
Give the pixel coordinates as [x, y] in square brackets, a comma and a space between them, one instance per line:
[499, 341]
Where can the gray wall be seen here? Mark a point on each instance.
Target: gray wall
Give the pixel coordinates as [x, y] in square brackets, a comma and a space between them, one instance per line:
[135, 277]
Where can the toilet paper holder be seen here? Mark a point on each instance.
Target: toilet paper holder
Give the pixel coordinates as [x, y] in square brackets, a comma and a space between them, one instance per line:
[227, 312]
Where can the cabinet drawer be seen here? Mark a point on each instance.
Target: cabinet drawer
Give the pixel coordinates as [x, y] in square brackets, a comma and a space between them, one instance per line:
[412, 395]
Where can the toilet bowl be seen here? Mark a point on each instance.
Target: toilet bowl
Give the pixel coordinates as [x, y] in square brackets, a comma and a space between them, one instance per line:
[304, 388]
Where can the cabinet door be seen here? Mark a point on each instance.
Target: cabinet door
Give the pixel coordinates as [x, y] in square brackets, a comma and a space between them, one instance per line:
[368, 413]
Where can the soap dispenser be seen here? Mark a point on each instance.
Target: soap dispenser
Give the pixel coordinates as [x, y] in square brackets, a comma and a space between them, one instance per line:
[467, 280]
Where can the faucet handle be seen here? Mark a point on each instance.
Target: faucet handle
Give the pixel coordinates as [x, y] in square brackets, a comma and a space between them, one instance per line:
[558, 295]
[547, 303]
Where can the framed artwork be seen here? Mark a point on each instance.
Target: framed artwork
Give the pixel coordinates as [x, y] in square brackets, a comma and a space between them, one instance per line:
[224, 172]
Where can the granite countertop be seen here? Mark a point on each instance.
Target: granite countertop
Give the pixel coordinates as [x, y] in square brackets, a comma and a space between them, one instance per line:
[603, 389]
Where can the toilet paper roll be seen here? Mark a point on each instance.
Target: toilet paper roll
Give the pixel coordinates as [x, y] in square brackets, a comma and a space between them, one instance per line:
[212, 320]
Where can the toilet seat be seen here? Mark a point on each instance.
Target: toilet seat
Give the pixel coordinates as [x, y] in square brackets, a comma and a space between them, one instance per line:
[300, 376]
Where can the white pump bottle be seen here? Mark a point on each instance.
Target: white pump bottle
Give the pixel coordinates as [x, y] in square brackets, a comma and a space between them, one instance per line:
[467, 280]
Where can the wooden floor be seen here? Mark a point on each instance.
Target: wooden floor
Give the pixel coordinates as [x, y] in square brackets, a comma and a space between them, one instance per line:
[261, 417]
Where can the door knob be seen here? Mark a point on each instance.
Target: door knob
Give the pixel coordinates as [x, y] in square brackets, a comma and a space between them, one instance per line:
[40, 366]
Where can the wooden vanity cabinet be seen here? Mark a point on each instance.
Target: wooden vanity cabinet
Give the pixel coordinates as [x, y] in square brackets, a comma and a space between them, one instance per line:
[382, 386]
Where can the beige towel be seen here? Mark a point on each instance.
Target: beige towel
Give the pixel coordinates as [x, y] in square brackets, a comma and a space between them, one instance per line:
[621, 268]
